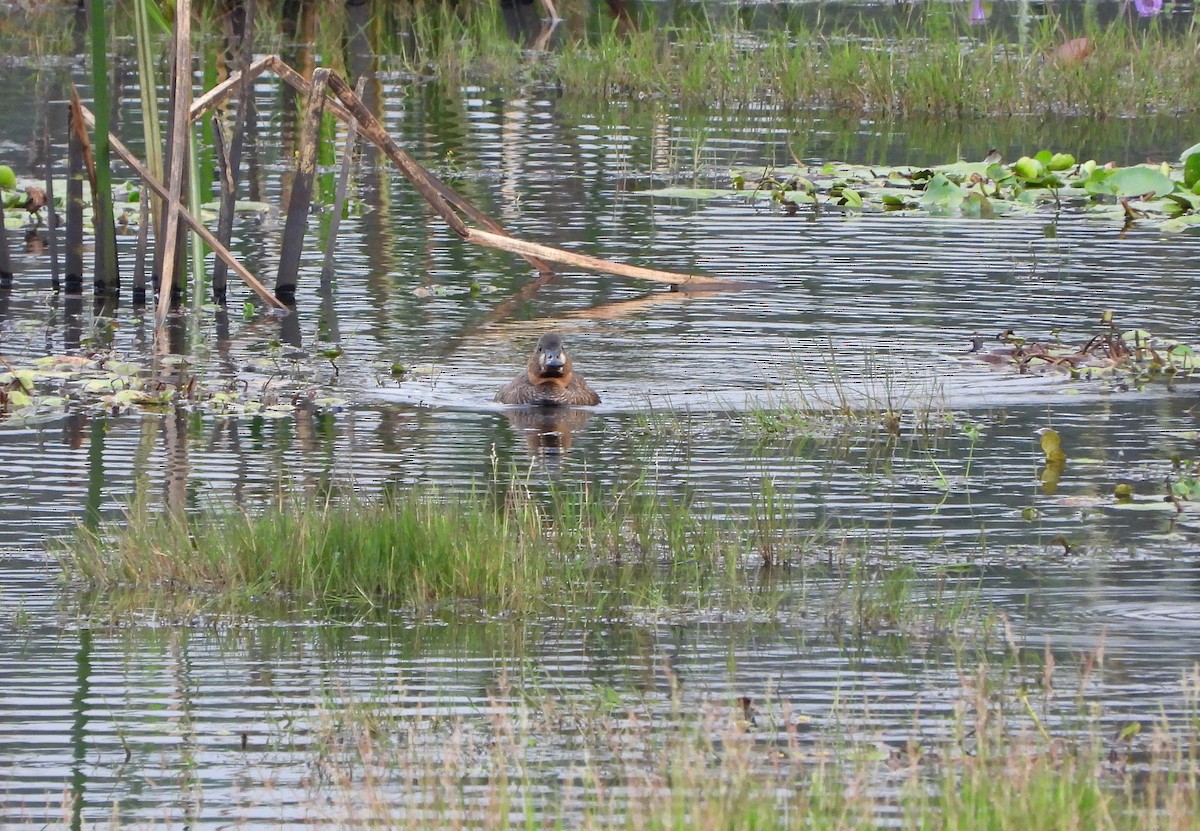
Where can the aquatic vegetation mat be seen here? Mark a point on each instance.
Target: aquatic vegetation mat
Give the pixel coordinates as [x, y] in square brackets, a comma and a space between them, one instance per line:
[1165, 196]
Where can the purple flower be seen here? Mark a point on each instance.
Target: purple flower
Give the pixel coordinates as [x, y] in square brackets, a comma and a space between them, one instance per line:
[1148, 8]
[979, 13]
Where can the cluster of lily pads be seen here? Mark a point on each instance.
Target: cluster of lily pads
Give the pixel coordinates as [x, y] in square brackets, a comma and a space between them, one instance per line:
[1163, 194]
[49, 386]
[15, 195]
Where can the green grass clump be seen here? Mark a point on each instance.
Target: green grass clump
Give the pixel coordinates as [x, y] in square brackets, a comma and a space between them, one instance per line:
[411, 548]
[566, 550]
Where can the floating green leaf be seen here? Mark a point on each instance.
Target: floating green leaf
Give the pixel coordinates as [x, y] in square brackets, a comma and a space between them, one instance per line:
[1181, 223]
[942, 193]
[691, 193]
[1060, 161]
[1130, 181]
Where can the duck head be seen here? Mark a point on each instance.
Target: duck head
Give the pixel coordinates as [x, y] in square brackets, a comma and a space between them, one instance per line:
[549, 361]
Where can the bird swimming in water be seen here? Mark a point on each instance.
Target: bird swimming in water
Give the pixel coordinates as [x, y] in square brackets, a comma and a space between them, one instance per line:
[548, 379]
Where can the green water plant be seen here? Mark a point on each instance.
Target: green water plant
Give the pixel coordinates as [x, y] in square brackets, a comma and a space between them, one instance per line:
[1164, 195]
[577, 549]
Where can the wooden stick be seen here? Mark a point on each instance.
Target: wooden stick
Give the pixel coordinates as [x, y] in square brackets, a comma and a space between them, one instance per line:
[533, 249]
[221, 251]
[354, 110]
[226, 88]
[299, 83]
[372, 129]
[228, 198]
[300, 199]
[180, 124]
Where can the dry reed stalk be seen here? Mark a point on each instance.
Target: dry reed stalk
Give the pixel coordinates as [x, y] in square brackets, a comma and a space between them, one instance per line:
[206, 102]
[440, 197]
[181, 94]
[6, 273]
[534, 249]
[73, 266]
[51, 216]
[186, 216]
[300, 200]
[221, 151]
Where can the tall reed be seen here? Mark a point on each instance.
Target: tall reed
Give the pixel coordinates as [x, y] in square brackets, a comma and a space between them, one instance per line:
[107, 278]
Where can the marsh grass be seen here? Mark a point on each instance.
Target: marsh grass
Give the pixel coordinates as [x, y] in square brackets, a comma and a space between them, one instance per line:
[828, 397]
[934, 66]
[667, 759]
[581, 551]
[933, 61]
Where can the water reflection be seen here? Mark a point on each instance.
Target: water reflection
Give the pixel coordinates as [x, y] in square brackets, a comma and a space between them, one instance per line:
[548, 431]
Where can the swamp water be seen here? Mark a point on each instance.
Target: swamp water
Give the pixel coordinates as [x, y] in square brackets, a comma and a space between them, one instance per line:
[941, 549]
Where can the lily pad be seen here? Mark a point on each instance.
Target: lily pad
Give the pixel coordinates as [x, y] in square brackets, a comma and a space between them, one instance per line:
[942, 193]
[693, 193]
[241, 206]
[1181, 223]
[1130, 181]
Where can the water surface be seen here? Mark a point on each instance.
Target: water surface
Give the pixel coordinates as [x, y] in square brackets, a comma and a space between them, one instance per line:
[211, 723]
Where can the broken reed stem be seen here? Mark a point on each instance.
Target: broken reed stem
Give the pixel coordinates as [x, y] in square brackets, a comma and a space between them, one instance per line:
[6, 273]
[143, 240]
[438, 195]
[206, 102]
[339, 196]
[73, 265]
[181, 93]
[533, 249]
[372, 129]
[300, 201]
[229, 154]
[186, 216]
[51, 216]
[435, 191]
[228, 200]
[106, 280]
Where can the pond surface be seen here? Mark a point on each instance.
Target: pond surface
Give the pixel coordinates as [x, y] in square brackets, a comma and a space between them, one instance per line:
[214, 723]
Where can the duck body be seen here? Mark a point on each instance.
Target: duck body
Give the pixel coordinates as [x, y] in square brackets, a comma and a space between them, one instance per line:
[548, 380]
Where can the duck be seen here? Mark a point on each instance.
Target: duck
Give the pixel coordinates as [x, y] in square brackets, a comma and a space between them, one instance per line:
[549, 379]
